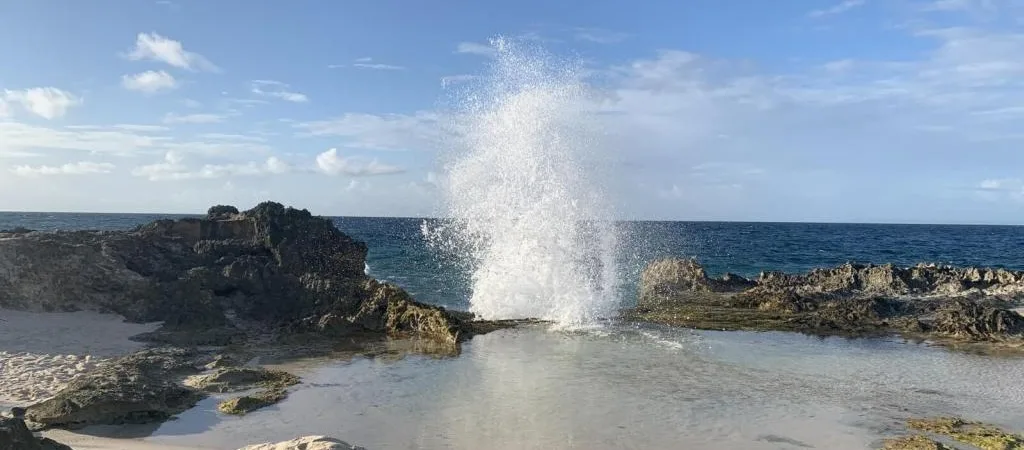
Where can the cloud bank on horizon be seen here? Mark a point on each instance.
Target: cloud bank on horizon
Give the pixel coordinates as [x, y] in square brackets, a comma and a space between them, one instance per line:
[811, 110]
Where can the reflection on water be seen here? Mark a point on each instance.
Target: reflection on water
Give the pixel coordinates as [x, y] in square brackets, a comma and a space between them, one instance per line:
[632, 387]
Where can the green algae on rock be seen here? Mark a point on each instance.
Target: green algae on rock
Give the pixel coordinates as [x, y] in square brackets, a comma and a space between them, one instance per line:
[985, 437]
[234, 379]
[240, 406]
[915, 442]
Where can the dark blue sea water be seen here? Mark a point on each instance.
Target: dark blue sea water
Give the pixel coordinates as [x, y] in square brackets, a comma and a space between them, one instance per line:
[398, 252]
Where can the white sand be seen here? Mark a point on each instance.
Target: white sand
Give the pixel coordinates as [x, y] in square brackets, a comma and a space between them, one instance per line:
[41, 352]
[84, 442]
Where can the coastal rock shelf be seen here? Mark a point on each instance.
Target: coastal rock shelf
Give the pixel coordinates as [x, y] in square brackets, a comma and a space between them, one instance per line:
[960, 304]
[211, 280]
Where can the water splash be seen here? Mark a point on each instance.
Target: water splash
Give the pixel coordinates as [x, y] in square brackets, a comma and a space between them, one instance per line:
[526, 212]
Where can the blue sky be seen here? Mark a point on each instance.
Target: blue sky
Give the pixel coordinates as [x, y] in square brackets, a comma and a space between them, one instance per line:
[855, 110]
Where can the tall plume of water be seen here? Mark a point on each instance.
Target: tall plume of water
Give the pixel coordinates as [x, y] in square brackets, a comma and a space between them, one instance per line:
[526, 210]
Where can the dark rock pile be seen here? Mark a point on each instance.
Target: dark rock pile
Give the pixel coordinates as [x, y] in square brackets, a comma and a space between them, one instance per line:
[15, 435]
[206, 279]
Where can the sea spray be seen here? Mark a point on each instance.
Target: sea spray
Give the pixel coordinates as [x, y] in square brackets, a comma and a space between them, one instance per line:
[525, 211]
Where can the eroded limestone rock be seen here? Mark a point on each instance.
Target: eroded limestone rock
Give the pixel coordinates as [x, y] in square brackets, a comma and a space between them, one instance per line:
[139, 388]
[956, 303]
[306, 443]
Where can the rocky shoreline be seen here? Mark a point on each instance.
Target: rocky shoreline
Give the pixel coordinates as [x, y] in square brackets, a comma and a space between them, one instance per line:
[220, 286]
[947, 304]
[236, 288]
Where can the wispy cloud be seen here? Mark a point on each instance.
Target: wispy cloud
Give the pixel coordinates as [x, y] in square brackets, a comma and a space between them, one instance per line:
[367, 62]
[378, 66]
[154, 47]
[839, 8]
[332, 163]
[123, 127]
[45, 102]
[231, 137]
[172, 118]
[419, 131]
[474, 48]
[456, 79]
[961, 5]
[599, 35]
[277, 89]
[173, 168]
[79, 168]
[1000, 189]
[149, 81]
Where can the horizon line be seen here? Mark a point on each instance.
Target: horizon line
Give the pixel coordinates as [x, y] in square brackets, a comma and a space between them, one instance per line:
[732, 221]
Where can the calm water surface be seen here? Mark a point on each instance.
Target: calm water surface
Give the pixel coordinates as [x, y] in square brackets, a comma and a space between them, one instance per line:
[628, 387]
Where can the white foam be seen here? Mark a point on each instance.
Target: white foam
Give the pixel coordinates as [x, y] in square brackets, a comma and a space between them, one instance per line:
[527, 212]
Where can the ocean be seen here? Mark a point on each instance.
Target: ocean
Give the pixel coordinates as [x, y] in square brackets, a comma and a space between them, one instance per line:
[400, 254]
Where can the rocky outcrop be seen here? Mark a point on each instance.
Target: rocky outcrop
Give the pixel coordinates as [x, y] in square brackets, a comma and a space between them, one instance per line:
[306, 443]
[234, 379]
[672, 278]
[273, 385]
[976, 434]
[960, 303]
[204, 278]
[240, 406]
[15, 435]
[139, 388]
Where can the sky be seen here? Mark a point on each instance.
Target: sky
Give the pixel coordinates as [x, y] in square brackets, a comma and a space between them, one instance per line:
[906, 111]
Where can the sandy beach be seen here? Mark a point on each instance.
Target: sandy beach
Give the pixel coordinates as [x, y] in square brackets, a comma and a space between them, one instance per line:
[41, 352]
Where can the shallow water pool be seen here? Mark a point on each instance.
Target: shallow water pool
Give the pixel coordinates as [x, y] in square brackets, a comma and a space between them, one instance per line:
[627, 387]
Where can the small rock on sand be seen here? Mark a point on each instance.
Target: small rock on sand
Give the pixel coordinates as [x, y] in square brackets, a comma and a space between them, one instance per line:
[306, 443]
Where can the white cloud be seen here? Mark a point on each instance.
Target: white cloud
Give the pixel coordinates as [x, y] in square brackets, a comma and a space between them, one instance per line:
[277, 89]
[357, 185]
[120, 126]
[20, 139]
[378, 66]
[456, 79]
[231, 137]
[331, 163]
[45, 102]
[474, 48]
[962, 5]
[246, 102]
[5, 111]
[140, 128]
[149, 81]
[839, 8]
[79, 168]
[172, 118]
[421, 130]
[1001, 189]
[152, 46]
[173, 168]
[599, 35]
[366, 62]
[1002, 184]
[191, 103]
